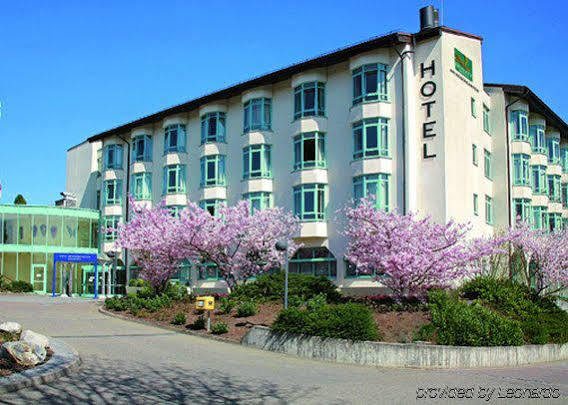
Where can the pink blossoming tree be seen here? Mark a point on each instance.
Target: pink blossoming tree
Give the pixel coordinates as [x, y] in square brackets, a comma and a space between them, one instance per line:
[546, 259]
[411, 255]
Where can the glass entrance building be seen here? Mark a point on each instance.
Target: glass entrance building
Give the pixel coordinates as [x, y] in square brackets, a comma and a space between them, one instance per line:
[31, 235]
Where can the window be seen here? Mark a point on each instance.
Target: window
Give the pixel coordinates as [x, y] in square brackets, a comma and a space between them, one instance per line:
[522, 208]
[309, 99]
[207, 271]
[258, 115]
[564, 159]
[564, 195]
[351, 271]
[309, 202]
[521, 169]
[142, 148]
[309, 150]
[257, 162]
[489, 210]
[98, 200]
[258, 200]
[538, 143]
[213, 171]
[213, 127]
[539, 179]
[553, 146]
[175, 209]
[113, 157]
[486, 126]
[540, 217]
[113, 192]
[317, 261]
[174, 179]
[554, 221]
[110, 225]
[487, 167]
[175, 138]
[474, 154]
[142, 186]
[475, 205]
[370, 83]
[370, 138]
[554, 188]
[473, 112]
[376, 185]
[212, 205]
[520, 125]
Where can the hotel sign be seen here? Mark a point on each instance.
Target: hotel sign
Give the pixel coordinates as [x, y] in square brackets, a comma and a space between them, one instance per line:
[463, 64]
[428, 91]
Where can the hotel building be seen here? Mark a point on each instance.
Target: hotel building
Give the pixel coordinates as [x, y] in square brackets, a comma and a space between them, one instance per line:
[406, 117]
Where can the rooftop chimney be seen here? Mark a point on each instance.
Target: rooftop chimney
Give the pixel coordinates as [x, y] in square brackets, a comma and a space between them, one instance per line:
[428, 17]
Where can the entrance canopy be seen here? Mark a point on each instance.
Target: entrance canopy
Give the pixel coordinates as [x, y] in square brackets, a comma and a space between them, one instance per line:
[75, 258]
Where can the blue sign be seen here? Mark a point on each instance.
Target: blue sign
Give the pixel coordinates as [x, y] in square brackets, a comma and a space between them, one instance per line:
[74, 258]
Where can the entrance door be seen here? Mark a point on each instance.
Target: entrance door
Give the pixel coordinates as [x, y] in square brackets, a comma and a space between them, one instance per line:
[38, 278]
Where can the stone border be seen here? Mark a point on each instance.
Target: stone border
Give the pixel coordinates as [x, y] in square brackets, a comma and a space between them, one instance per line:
[418, 355]
[64, 360]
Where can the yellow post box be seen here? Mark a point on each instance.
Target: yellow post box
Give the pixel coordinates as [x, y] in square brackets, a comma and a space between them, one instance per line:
[207, 303]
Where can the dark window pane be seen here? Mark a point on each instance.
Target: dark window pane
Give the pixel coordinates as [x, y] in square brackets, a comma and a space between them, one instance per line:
[309, 99]
[309, 150]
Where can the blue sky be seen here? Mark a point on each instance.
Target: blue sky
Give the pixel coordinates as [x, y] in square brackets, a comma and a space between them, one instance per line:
[71, 69]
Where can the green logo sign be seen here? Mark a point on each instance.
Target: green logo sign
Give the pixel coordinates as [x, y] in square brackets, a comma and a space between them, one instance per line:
[463, 64]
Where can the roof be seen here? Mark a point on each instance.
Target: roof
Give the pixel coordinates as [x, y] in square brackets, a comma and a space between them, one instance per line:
[328, 59]
[537, 105]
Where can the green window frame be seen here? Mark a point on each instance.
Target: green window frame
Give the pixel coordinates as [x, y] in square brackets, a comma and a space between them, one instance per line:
[212, 171]
[474, 154]
[539, 181]
[113, 192]
[377, 185]
[540, 217]
[142, 186]
[472, 106]
[212, 205]
[554, 221]
[371, 138]
[554, 193]
[110, 221]
[309, 151]
[175, 138]
[309, 100]
[553, 147]
[142, 148]
[257, 115]
[520, 125]
[489, 210]
[315, 261]
[310, 202]
[523, 209]
[564, 158]
[213, 127]
[488, 169]
[257, 162]
[259, 200]
[538, 140]
[475, 204]
[521, 169]
[113, 156]
[486, 122]
[564, 195]
[370, 83]
[173, 181]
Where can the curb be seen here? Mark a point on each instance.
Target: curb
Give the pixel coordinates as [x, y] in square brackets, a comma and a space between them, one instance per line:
[166, 327]
[64, 360]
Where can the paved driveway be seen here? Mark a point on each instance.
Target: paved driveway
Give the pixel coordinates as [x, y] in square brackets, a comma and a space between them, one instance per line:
[126, 362]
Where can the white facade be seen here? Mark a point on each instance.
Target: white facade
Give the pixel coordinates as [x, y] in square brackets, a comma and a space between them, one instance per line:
[432, 130]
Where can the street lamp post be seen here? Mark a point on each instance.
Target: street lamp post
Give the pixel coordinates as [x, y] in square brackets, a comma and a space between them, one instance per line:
[283, 247]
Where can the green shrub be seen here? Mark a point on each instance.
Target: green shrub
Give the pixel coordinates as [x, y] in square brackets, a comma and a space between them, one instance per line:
[219, 328]
[133, 282]
[426, 333]
[199, 323]
[460, 324]
[317, 302]
[295, 301]
[20, 286]
[271, 287]
[179, 319]
[142, 283]
[4, 283]
[146, 292]
[247, 308]
[535, 331]
[226, 305]
[176, 291]
[343, 321]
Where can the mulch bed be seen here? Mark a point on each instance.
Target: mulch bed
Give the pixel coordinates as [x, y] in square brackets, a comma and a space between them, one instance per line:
[7, 367]
[393, 326]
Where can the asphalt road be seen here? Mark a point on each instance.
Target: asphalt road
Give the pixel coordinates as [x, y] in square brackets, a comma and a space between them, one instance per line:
[126, 362]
